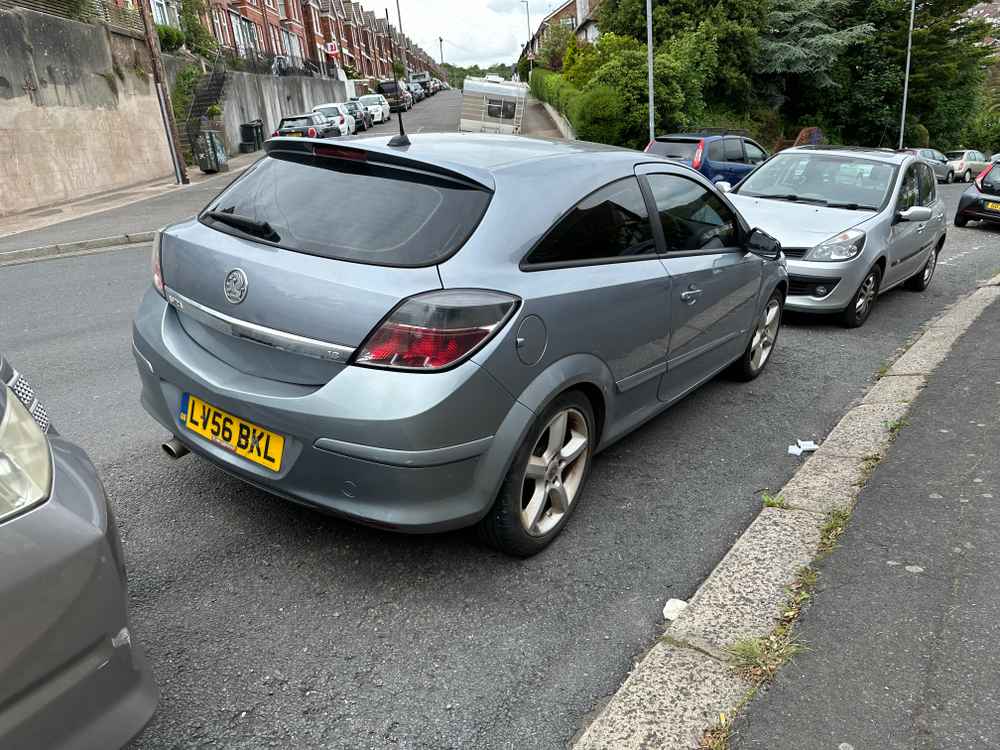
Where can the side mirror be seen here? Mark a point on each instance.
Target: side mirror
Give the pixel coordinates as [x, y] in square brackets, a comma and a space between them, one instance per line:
[915, 213]
[761, 243]
[723, 186]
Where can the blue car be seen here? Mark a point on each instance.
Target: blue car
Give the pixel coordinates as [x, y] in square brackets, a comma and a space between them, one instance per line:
[725, 156]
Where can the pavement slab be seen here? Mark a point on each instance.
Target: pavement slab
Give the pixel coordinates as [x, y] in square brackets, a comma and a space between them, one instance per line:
[903, 628]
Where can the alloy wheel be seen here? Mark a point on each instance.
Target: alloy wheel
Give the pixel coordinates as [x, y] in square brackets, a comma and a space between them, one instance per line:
[555, 472]
[929, 268]
[866, 295]
[764, 337]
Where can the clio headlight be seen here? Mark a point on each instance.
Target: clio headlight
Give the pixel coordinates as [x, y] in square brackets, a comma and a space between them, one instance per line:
[25, 463]
[844, 246]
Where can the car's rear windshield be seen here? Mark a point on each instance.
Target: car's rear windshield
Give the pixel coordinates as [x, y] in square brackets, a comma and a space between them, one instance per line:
[370, 99]
[329, 111]
[387, 86]
[296, 122]
[674, 149]
[955, 155]
[350, 210]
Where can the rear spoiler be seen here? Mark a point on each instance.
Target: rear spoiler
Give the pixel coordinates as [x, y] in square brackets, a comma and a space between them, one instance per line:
[471, 176]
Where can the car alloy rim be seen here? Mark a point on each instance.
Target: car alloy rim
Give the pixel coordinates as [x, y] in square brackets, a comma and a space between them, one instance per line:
[554, 473]
[865, 295]
[765, 335]
[929, 268]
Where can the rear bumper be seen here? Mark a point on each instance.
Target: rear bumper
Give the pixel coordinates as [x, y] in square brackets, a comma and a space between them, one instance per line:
[974, 207]
[410, 452]
[69, 676]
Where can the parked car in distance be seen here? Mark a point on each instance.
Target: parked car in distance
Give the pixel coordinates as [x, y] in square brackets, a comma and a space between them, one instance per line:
[721, 157]
[943, 170]
[450, 341]
[309, 125]
[340, 115]
[966, 164]
[378, 106]
[399, 98]
[981, 200]
[853, 223]
[72, 673]
[417, 90]
[360, 113]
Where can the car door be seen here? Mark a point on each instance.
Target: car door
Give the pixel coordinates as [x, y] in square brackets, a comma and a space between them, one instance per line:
[906, 238]
[735, 165]
[597, 282]
[755, 156]
[715, 282]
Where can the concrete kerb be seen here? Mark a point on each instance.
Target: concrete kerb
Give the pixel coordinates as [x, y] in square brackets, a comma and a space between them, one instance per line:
[687, 678]
[11, 257]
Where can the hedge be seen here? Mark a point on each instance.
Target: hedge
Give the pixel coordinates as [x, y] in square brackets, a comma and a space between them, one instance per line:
[595, 114]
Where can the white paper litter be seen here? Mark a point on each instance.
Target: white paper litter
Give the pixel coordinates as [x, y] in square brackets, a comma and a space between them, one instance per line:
[673, 608]
[802, 446]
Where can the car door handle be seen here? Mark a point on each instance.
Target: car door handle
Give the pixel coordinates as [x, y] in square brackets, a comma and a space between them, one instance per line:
[691, 295]
[921, 228]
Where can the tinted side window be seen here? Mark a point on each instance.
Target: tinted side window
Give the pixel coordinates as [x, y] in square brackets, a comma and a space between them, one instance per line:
[928, 185]
[611, 223]
[734, 150]
[909, 194]
[716, 151]
[692, 217]
[755, 154]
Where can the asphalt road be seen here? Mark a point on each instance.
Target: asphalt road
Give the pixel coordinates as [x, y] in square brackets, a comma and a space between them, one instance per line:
[272, 625]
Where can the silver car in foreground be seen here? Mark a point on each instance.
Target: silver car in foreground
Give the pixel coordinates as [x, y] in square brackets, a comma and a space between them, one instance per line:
[852, 222]
[452, 339]
[71, 673]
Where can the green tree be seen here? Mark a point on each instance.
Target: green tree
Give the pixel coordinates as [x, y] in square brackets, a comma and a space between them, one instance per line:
[555, 43]
[196, 36]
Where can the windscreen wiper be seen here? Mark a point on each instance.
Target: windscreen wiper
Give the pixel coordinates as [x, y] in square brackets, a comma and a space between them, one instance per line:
[852, 206]
[245, 224]
[795, 198]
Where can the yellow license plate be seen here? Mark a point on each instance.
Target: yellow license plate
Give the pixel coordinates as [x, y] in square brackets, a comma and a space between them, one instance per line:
[993, 206]
[243, 438]
[294, 135]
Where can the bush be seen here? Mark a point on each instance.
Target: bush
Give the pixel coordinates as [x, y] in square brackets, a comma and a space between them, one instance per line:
[596, 115]
[171, 39]
[213, 112]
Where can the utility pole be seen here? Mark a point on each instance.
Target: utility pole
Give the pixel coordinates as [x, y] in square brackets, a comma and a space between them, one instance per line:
[906, 81]
[531, 52]
[441, 42]
[406, 56]
[649, 50]
[163, 93]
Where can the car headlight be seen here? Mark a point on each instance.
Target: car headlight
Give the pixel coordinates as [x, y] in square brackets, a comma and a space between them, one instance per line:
[25, 463]
[844, 246]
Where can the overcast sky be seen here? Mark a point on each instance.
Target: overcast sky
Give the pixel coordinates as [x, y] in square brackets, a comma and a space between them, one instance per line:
[475, 31]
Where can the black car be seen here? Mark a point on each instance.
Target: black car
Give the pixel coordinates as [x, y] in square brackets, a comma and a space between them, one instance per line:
[360, 114]
[392, 91]
[309, 125]
[982, 198]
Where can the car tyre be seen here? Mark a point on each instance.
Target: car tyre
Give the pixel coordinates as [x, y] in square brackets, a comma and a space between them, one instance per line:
[763, 340]
[949, 178]
[921, 280]
[860, 307]
[545, 481]
[967, 177]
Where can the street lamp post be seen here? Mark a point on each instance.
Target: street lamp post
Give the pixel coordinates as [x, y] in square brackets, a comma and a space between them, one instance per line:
[531, 61]
[906, 80]
[649, 50]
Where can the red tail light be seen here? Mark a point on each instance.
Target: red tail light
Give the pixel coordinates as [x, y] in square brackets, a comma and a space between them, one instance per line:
[157, 268]
[698, 154]
[982, 176]
[311, 132]
[274, 134]
[648, 146]
[340, 119]
[437, 330]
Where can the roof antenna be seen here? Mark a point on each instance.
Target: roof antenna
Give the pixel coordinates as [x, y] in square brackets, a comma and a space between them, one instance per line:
[397, 141]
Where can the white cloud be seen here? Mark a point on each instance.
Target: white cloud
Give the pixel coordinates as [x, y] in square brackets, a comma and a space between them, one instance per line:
[479, 32]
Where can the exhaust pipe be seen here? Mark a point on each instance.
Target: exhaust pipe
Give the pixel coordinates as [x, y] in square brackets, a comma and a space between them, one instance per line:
[175, 448]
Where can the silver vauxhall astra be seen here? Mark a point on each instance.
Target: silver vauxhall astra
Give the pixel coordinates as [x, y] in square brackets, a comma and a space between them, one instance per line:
[853, 223]
[444, 334]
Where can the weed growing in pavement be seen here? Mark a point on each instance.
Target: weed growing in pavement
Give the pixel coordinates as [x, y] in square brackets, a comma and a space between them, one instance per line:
[883, 371]
[895, 425]
[717, 737]
[774, 502]
[868, 464]
[832, 529]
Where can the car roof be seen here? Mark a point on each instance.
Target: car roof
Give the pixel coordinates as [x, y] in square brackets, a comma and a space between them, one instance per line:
[886, 155]
[478, 157]
[296, 117]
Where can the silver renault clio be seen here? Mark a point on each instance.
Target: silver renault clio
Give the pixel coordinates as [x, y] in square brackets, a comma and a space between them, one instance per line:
[443, 334]
[853, 223]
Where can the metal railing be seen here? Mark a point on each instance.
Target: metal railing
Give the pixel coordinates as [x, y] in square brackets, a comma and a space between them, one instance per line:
[249, 60]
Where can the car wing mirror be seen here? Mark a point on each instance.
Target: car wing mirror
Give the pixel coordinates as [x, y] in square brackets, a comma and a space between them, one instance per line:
[761, 243]
[723, 186]
[915, 213]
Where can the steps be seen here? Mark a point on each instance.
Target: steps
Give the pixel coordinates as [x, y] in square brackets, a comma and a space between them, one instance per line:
[209, 92]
